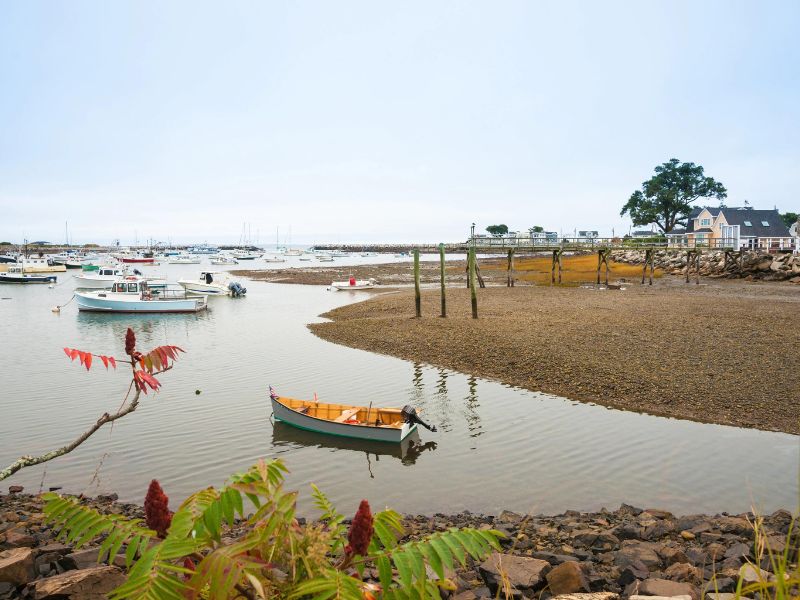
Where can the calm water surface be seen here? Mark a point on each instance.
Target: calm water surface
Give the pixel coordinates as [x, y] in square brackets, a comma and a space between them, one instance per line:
[497, 447]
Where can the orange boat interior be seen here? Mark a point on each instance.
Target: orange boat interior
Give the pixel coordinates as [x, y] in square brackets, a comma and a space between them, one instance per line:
[346, 413]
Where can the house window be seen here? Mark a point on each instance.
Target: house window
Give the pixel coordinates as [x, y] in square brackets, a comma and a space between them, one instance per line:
[748, 224]
[705, 222]
[765, 223]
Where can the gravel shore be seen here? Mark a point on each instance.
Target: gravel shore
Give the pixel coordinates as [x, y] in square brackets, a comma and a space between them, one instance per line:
[721, 352]
[627, 552]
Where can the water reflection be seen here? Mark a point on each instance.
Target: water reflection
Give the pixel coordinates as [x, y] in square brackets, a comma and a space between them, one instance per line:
[408, 451]
[471, 406]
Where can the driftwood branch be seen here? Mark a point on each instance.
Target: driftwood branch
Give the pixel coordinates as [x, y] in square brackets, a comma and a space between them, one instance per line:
[29, 461]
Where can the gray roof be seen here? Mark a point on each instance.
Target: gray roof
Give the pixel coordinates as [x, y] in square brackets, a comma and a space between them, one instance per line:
[703, 230]
[738, 216]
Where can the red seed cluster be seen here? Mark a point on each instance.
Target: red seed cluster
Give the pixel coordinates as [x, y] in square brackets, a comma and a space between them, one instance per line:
[130, 342]
[360, 533]
[156, 509]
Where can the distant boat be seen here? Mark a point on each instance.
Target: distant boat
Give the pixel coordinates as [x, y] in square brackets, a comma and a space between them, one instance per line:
[339, 253]
[7, 258]
[273, 258]
[213, 284]
[223, 260]
[363, 422]
[324, 258]
[184, 259]
[15, 274]
[245, 254]
[292, 252]
[137, 259]
[40, 265]
[353, 284]
[101, 279]
[132, 295]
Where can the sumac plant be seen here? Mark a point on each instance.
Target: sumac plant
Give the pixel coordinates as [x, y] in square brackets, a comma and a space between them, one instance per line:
[243, 540]
[144, 368]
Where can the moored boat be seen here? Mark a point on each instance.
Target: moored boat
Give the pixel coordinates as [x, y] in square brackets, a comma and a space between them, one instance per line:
[213, 283]
[184, 259]
[363, 422]
[133, 295]
[223, 259]
[353, 284]
[16, 274]
[102, 279]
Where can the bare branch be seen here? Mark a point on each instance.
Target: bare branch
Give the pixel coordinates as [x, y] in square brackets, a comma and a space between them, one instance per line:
[29, 461]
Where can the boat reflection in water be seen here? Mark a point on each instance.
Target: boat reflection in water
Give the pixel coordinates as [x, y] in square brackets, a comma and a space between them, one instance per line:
[408, 450]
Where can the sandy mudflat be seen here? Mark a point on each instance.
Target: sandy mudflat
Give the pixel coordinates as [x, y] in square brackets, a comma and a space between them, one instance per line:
[723, 352]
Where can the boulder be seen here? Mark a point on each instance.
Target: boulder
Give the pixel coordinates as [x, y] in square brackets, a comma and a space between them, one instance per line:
[665, 587]
[684, 572]
[567, 578]
[87, 584]
[752, 574]
[554, 559]
[672, 555]
[82, 559]
[522, 572]
[633, 572]
[17, 538]
[631, 552]
[17, 566]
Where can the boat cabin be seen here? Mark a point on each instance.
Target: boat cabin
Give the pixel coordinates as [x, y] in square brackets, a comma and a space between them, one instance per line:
[128, 286]
[111, 272]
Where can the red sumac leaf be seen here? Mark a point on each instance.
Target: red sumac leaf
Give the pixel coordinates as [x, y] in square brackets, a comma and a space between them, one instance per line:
[73, 354]
[105, 361]
[66, 351]
[113, 361]
[88, 361]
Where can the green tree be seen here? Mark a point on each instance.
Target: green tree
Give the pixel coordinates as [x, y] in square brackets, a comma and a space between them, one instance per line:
[790, 218]
[537, 229]
[666, 198]
[497, 229]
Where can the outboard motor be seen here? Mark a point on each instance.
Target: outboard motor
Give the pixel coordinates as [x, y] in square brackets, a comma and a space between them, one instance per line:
[410, 415]
[137, 272]
[236, 289]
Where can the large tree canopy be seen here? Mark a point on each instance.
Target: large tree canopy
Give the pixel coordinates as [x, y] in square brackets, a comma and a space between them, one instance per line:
[666, 198]
[497, 229]
[790, 218]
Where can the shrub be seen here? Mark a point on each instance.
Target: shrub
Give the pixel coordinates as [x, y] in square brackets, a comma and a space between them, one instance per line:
[275, 557]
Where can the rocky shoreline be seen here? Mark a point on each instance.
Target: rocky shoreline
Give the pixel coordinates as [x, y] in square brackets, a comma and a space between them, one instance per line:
[622, 553]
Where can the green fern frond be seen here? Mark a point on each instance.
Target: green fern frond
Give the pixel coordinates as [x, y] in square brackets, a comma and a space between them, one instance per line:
[331, 585]
[388, 527]
[154, 577]
[78, 525]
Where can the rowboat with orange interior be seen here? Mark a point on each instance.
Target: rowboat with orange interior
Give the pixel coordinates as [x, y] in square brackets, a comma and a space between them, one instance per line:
[364, 422]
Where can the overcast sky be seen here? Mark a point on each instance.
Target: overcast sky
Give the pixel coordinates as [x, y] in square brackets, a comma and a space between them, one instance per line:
[382, 121]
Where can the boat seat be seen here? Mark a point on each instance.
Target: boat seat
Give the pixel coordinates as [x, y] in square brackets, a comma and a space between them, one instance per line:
[346, 414]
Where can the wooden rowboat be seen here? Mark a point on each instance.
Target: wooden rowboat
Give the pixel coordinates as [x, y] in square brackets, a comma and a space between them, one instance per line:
[363, 422]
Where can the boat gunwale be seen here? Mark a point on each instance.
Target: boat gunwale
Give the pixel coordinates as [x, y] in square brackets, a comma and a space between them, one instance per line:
[357, 425]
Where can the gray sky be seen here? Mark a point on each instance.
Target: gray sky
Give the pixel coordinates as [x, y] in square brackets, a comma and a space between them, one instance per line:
[378, 121]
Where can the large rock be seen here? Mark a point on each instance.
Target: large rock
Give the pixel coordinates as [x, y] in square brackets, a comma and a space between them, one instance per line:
[684, 572]
[82, 559]
[567, 578]
[87, 584]
[665, 587]
[522, 572]
[17, 566]
[632, 552]
[18, 539]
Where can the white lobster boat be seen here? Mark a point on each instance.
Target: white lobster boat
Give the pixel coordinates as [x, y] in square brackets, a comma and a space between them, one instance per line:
[133, 295]
[102, 279]
[363, 422]
[223, 259]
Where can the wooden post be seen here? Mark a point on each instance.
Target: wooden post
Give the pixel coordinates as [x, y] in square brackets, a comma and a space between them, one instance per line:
[472, 277]
[417, 298]
[652, 264]
[599, 262]
[510, 282]
[560, 253]
[688, 264]
[553, 268]
[697, 267]
[644, 267]
[441, 276]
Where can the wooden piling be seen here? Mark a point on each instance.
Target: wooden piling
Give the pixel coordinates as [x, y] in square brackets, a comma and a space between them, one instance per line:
[652, 265]
[510, 282]
[441, 277]
[417, 297]
[472, 276]
[697, 267]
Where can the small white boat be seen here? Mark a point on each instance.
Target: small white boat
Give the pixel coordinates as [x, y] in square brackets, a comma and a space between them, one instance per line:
[339, 254]
[292, 252]
[273, 258]
[324, 258]
[245, 254]
[132, 295]
[223, 260]
[353, 284]
[40, 264]
[102, 279]
[184, 259]
[305, 258]
[212, 283]
[363, 422]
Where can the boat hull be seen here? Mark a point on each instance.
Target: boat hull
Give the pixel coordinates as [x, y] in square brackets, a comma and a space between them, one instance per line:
[203, 288]
[93, 303]
[5, 278]
[301, 421]
[141, 261]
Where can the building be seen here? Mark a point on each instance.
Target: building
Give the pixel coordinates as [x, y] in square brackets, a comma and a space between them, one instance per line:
[591, 235]
[735, 228]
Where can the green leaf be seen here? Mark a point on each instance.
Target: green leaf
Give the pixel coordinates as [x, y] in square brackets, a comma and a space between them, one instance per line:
[384, 571]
